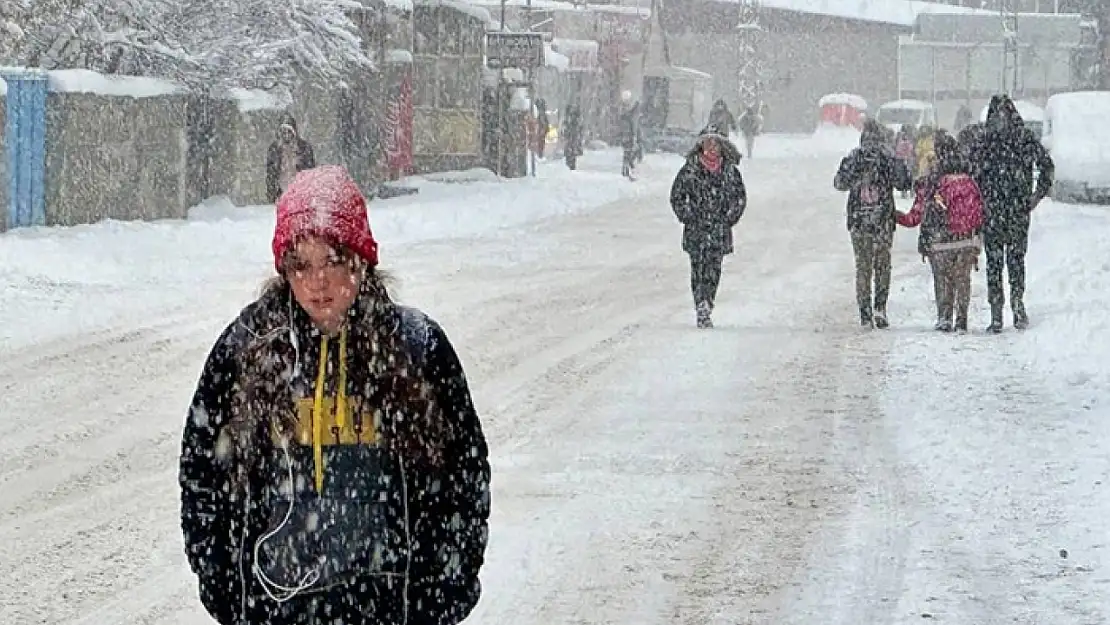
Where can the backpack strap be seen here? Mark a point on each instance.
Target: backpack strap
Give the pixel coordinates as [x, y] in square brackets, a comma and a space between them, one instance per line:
[415, 332]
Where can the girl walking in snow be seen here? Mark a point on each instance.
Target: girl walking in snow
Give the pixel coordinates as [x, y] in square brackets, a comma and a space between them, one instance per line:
[949, 209]
[708, 197]
[870, 174]
[333, 468]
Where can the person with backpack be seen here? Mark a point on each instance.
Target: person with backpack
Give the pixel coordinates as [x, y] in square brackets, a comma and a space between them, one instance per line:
[870, 174]
[949, 209]
[708, 198]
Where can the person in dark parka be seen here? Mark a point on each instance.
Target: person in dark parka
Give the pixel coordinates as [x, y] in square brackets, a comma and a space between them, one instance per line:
[870, 174]
[288, 154]
[333, 469]
[708, 197]
[572, 135]
[1004, 154]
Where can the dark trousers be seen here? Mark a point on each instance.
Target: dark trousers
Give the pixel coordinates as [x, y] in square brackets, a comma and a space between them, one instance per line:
[872, 253]
[1005, 247]
[705, 276]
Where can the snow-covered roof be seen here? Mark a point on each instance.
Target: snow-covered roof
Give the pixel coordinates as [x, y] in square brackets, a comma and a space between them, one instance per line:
[849, 99]
[691, 72]
[561, 5]
[87, 81]
[899, 12]
[554, 59]
[398, 56]
[906, 104]
[463, 6]
[259, 100]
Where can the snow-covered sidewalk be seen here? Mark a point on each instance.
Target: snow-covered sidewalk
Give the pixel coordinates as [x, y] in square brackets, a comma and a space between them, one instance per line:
[981, 486]
[59, 282]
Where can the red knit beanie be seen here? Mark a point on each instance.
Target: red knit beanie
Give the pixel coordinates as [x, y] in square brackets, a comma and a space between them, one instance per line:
[324, 202]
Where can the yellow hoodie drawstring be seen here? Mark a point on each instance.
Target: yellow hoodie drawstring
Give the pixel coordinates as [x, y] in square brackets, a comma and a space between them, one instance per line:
[318, 404]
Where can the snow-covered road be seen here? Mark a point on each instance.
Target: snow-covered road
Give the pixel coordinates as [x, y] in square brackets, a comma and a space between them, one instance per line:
[785, 467]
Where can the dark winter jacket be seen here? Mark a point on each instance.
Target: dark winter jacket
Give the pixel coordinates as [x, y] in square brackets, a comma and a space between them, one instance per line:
[302, 152]
[870, 174]
[708, 204]
[572, 131]
[722, 118]
[377, 511]
[1003, 155]
[630, 133]
[751, 122]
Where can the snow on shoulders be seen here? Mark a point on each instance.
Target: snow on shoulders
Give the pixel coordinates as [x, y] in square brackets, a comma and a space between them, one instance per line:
[259, 100]
[849, 99]
[87, 81]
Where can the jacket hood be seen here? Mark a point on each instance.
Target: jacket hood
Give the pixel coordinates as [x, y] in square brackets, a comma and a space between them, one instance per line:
[729, 152]
[872, 133]
[288, 120]
[1003, 113]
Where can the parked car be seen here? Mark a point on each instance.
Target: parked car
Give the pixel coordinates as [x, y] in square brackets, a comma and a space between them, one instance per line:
[898, 113]
[1078, 138]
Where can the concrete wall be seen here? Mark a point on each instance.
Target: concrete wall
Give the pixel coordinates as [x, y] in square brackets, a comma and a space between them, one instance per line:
[113, 157]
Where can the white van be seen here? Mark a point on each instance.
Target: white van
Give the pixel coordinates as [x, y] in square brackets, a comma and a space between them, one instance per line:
[1077, 135]
[916, 113]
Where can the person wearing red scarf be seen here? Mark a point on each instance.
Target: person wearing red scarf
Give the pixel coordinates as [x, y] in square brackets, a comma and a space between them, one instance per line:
[708, 198]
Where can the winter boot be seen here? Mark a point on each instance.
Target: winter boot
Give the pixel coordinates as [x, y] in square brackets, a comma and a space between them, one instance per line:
[996, 319]
[943, 325]
[865, 318]
[880, 319]
[1021, 319]
[703, 315]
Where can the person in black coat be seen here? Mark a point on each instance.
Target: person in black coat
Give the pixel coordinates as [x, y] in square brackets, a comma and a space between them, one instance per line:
[288, 155]
[572, 135]
[333, 468]
[1004, 154]
[708, 197]
[870, 174]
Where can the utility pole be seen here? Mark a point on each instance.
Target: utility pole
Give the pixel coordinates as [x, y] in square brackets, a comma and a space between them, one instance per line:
[532, 88]
[748, 63]
[1103, 18]
[1010, 50]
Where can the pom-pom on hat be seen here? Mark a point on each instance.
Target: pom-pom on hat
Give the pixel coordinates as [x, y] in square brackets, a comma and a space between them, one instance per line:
[324, 202]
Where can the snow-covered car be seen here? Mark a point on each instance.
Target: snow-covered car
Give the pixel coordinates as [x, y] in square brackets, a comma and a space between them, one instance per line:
[898, 113]
[1031, 114]
[1077, 136]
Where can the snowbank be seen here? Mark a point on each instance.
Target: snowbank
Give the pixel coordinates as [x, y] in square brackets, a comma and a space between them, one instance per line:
[57, 282]
[86, 81]
[259, 100]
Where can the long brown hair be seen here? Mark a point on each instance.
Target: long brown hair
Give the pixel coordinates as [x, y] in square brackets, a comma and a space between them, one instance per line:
[412, 420]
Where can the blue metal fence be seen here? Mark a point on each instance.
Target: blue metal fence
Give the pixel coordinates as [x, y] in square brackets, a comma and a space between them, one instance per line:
[25, 145]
